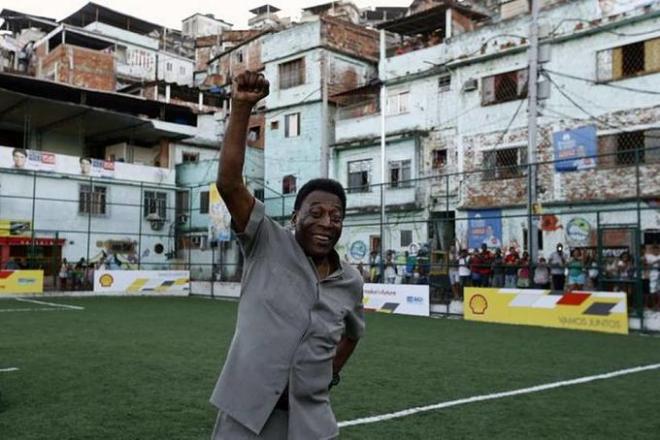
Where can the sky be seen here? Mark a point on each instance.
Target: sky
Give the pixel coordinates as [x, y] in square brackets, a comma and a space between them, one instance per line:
[170, 13]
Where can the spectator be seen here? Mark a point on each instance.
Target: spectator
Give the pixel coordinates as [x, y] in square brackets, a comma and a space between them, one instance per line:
[523, 271]
[411, 262]
[576, 271]
[454, 275]
[464, 271]
[557, 265]
[497, 269]
[652, 263]
[64, 274]
[390, 268]
[89, 277]
[591, 265]
[363, 272]
[511, 268]
[480, 267]
[626, 274]
[374, 267]
[12, 265]
[542, 274]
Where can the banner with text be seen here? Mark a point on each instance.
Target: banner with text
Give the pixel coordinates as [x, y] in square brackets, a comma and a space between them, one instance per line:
[401, 299]
[17, 282]
[596, 311]
[142, 282]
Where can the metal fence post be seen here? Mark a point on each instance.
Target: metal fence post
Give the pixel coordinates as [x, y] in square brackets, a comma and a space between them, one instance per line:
[140, 209]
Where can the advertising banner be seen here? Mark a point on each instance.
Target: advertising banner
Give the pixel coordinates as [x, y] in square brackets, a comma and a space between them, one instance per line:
[575, 149]
[16, 282]
[142, 282]
[97, 167]
[12, 228]
[400, 299]
[485, 226]
[596, 311]
[220, 220]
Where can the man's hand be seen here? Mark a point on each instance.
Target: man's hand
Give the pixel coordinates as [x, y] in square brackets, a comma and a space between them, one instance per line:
[249, 88]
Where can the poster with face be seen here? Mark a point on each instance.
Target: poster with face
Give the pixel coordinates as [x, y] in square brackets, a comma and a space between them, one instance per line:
[22, 159]
[96, 167]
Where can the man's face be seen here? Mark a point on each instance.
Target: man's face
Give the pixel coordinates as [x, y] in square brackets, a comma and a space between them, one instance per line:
[19, 159]
[318, 223]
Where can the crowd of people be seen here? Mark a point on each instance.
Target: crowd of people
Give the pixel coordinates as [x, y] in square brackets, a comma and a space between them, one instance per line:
[578, 269]
[80, 276]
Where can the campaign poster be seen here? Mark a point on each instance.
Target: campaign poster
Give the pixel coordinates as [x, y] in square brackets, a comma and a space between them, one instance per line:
[485, 227]
[575, 149]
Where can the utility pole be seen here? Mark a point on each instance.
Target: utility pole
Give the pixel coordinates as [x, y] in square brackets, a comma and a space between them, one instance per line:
[532, 131]
[383, 105]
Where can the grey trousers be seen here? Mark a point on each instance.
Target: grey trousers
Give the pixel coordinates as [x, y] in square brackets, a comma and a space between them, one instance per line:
[276, 428]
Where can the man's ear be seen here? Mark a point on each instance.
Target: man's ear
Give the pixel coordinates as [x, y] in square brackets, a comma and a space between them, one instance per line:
[294, 217]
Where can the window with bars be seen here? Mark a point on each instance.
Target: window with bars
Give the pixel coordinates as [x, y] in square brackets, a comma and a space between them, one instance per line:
[289, 184]
[92, 199]
[400, 174]
[359, 176]
[629, 148]
[640, 58]
[204, 202]
[504, 87]
[444, 82]
[406, 238]
[292, 125]
[504, 163]
[292, 73]
[259, 194]
[155, 203]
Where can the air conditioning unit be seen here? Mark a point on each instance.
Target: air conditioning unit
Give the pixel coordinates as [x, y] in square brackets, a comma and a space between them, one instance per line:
[470, 85]
[196, 241]
[182, 219]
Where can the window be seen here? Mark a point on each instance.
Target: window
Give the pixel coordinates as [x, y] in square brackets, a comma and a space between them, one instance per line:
[289, 184]
[292, 73]
[169, 67]
[504, 87]
[204, 202]
[188, 157]
[444, 82]
[182, 70]
[274, 125]
[406, 238]
[359, 176]
[92, 200]
[182, 202]
[292, 125]
[400, 174]
[155, 203]
[254, 133]
[627, 148]
[439, 158]
[239, 56]
[634, 59]
[504, 163]
[398, 103]
[259, 194]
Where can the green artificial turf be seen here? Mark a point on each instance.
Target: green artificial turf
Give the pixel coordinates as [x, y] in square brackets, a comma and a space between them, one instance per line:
[143, 368]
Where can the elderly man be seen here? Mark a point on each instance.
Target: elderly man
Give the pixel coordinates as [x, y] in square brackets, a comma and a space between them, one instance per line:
[300, 313]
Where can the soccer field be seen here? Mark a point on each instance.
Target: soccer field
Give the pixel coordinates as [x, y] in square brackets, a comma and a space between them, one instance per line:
[143, 368]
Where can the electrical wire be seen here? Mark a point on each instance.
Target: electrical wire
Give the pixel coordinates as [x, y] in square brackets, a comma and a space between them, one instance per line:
[606, 84]
[619, 34]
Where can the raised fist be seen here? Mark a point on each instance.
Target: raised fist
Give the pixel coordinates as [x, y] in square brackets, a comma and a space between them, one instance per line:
[249, 88]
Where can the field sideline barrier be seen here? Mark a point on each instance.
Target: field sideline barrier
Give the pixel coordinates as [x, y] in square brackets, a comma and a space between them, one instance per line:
[142, 282]
[21, 282]
[400, 299]
[578, 310]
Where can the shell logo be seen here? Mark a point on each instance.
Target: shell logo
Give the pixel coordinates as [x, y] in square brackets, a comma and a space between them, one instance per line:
[478, 304]
[106, 280]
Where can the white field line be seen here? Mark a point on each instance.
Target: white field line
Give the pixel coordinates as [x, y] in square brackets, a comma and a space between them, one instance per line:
[484, 397]
[7, 370]
[36, 309]
[65, 306]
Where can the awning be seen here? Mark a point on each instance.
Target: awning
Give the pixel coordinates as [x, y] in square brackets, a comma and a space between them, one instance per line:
[27, 241]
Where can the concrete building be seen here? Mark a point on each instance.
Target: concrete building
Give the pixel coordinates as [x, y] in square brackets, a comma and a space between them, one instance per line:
[343, 10]
[306, 64]
[266, 17]
[464, 93]
[202, 25]
[88, 174]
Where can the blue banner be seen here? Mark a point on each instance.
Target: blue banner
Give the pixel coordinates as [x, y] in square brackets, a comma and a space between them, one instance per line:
[485, 226]
[575, 149]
